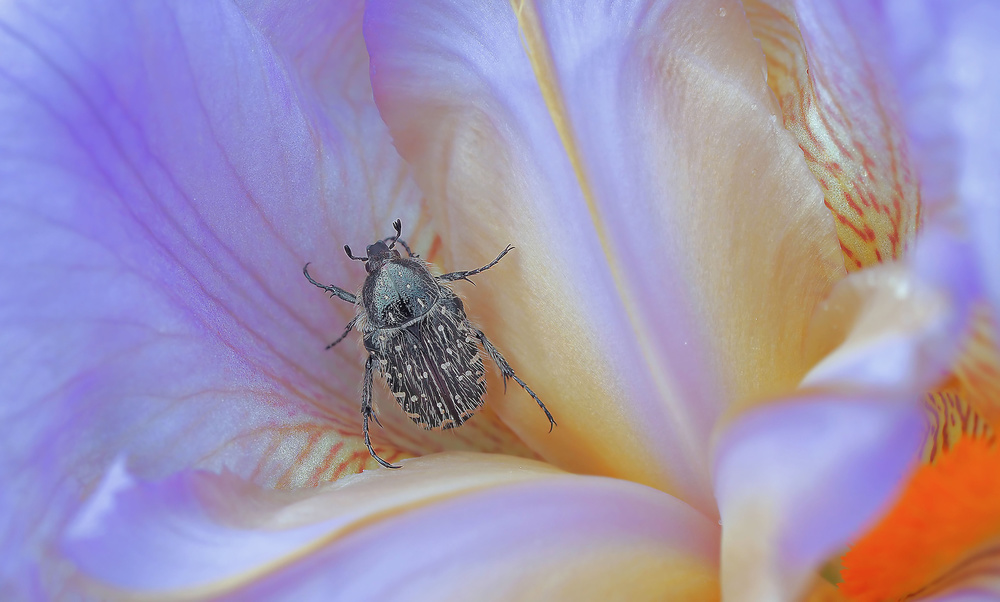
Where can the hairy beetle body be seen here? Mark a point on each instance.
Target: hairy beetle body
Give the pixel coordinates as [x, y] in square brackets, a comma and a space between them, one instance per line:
[418, 337]
[432, 364]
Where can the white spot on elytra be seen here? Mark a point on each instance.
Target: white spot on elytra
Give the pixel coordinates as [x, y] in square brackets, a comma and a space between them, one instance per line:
[441, 327]
[398, 348]
[413, 398]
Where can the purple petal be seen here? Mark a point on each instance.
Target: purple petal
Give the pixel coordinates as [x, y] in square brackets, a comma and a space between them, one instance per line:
[165, 172]
[797, 481]
[973, 77]
[456, 526]
[945, 62]
[943, 57]
[673, 242]
[974, 55]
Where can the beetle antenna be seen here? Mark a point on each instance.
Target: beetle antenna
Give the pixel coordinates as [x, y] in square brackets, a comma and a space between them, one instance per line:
[398, 225]
[351, 255]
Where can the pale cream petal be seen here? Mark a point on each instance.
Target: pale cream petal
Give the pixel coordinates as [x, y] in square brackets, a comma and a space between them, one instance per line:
[671, 242]
[838, 99]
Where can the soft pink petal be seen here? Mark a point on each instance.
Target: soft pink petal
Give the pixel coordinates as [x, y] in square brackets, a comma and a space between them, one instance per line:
[454, 526]
[671, 242]
[796, 481]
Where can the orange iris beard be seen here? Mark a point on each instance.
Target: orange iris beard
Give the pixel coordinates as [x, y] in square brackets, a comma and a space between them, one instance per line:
[946, 512]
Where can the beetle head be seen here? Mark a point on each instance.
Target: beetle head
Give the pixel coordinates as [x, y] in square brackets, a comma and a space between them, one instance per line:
[379, 252]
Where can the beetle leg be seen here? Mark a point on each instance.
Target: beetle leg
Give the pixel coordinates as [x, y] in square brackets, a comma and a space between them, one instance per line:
[347, 331]
[335, 291]
[465, 275]
[367, 412]
[508, 372]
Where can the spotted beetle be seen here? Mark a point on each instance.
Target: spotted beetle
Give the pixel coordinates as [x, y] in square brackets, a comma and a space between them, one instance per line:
[416, 333]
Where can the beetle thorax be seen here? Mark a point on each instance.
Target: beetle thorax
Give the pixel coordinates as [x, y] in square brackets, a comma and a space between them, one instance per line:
[398, 292]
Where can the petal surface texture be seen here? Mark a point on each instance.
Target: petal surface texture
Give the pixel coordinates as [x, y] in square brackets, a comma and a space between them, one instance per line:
[166, 169]
[447, 527]
[897, 114]
[672, 241]
[829, 69]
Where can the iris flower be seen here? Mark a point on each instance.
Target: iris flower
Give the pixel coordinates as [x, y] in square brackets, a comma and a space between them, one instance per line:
[743, 283]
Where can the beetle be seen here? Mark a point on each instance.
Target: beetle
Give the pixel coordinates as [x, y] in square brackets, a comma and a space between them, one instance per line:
[417, 335]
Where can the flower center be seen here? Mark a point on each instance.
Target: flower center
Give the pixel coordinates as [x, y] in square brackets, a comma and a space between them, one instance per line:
[947, 512]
